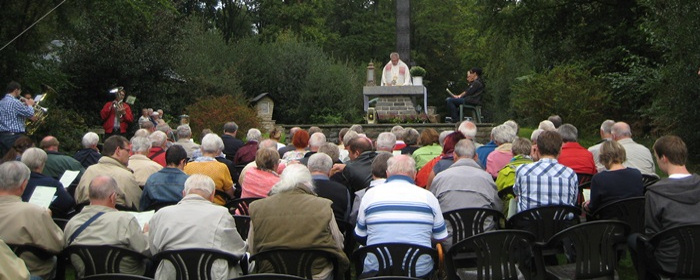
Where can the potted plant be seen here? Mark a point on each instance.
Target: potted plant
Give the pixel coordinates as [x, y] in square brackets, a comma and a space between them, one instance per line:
[417, 73]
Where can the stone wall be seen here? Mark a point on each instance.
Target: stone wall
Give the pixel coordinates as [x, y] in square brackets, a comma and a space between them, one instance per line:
[398, 105]
[373, 130]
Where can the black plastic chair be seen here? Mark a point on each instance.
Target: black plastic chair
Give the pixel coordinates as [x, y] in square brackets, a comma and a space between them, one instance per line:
[394, 259]
[590, 249]
[102, 259]
[500, 254]
[467, 222]
[239, 206]
[116, 276]
[505, 192]
[687, 240]
[269, 276]
[392, 278]
[40, 253]
[223, 195]
[60, 222]
[158, 205]
[584, 177]
[628, 210]
[293, 262]
[648, 180]
[544, 222]
[191, 264]
[242, 225]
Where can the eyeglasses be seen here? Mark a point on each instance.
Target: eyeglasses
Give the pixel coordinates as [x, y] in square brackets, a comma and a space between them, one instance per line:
[127, 150]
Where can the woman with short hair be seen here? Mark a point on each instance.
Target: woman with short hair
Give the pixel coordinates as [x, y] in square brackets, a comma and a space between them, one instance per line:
[617, 181]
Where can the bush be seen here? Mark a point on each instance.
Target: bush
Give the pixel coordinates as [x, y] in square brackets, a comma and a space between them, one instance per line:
[68, 126]
[417, 71]
[214, 112]
[568, 91]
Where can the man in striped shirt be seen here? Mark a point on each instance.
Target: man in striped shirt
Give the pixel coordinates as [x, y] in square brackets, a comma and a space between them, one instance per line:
[399, 211]
[545, 182]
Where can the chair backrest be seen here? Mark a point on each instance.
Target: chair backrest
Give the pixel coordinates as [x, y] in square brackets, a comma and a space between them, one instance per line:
[499, 254]
[193, 264]
[269, 276]
[101, 259]
[584, 177]
[158, 205]
[292, 262]
[239, 206]
[629, 210]
[648, 180]
[594, 246]
[116, 276]
[503, 193]
[544, 222]
[688, 242]
[40, 253]
[242, 225]
[470, 221]
[60, 222]
[394, 259]
[392, 278]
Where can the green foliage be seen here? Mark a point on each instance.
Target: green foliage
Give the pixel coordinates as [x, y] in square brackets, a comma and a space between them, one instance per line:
[417, 71]
[213, 113]
[67, 125]
[568, 91]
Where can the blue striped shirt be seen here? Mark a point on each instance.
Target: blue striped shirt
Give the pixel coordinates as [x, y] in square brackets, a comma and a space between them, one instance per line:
[545, 182]
[13, 114]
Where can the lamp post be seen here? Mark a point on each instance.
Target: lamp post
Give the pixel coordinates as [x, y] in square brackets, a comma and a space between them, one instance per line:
[370, 75]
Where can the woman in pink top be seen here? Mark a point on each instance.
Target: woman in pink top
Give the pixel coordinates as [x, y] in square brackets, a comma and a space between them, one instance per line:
[503, 135]
[258, 180]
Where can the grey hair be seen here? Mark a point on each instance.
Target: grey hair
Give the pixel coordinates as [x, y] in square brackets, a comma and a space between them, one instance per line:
[254, 135]
[468, 129]
[140, 144]
[398, 131]
[230, 127]
[268, 144]
[316, 140]
[34, 158]
[386, 141]
[547, 125]
[212, 143]
[13, 174]
[513, 125]
[293, 175]
[184, 131]
[330, 149]
[503, 134]
[606, 126]
[90, 139]
[101, 187]
[535, 133]
[411, 137]
[401, 165]
[349, 136]
[200, 183]
[568, 132]
[142, 132]
[621, 129]
[164, 127]
[356, 128]
[444, 135]
[465, 148]
[394, 54]
[158, 138]
[320, 162]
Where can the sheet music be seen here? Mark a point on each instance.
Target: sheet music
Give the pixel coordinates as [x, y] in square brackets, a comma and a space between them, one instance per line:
[68, 177]
[142, 217]
[512, 207]
[42, 196]
[586, 194]
[37, 98]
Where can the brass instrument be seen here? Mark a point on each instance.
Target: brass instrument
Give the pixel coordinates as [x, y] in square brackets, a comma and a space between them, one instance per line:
[40, 113]
[118, 105]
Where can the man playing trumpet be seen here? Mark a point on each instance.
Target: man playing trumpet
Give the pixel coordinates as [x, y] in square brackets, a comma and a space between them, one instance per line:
[116, 114]
[13, 115]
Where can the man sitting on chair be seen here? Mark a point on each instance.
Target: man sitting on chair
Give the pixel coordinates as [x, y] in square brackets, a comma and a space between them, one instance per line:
[471, 96]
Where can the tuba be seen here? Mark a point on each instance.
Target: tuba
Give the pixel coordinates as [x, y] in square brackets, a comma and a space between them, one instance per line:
[40, 113]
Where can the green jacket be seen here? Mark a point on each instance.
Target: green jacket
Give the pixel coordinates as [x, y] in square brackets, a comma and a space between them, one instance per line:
[506, 177]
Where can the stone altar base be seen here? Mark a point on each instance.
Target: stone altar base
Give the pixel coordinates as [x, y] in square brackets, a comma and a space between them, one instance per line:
[395, 105]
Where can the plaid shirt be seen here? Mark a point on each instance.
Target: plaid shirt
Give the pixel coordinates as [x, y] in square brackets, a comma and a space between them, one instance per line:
[545, 182]
[13, 113]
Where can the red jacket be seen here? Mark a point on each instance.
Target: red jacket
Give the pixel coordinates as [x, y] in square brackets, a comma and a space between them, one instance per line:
[107, 115]
[157, 154]
[576, 157]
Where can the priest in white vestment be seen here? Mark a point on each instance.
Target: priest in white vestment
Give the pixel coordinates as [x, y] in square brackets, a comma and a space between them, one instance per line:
[396, 72]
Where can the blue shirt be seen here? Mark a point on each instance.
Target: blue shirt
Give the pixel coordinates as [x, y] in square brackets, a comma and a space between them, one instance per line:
[543, 183]
[62, 203]
[165, 185]
[13, 114]
[484, 152]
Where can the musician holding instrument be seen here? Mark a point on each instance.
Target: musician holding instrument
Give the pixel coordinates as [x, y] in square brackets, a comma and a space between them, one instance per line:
[116, 114]
[13, 115]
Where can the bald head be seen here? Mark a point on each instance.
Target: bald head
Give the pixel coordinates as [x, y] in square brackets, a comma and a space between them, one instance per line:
[621, 130]
[103, 190]
[49, 143]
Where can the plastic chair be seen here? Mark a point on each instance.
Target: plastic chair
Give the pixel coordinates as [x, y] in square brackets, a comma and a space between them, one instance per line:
[269, 276]
[584, 177]
[293, 262]
[544, 222]
[478, 118]
[688, 248]
[40, 253]
[116, 276]
[394, 259]
[500, 254]
[242, 225]
[101, 259]
[505, 192]
[648, 180]
[239, 206]
[60, 222]
[470, 221]
[392, 278]
[628, 210]
[591, 250]
[158, 205]
[193, 264]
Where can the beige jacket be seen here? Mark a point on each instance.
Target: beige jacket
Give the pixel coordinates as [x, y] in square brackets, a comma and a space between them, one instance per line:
[112, 228]
[143, 168]
[189, 146]
[12, 266]
[22, 223]
[124, 177]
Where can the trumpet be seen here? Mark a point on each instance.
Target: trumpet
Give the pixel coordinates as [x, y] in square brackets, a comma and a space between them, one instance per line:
[40, 113]
[119, 106]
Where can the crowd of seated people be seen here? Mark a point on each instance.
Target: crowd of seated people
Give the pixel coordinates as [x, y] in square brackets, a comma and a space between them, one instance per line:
[314, 194]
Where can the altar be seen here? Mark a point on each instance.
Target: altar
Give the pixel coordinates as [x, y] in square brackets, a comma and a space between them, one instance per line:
[393, 99]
